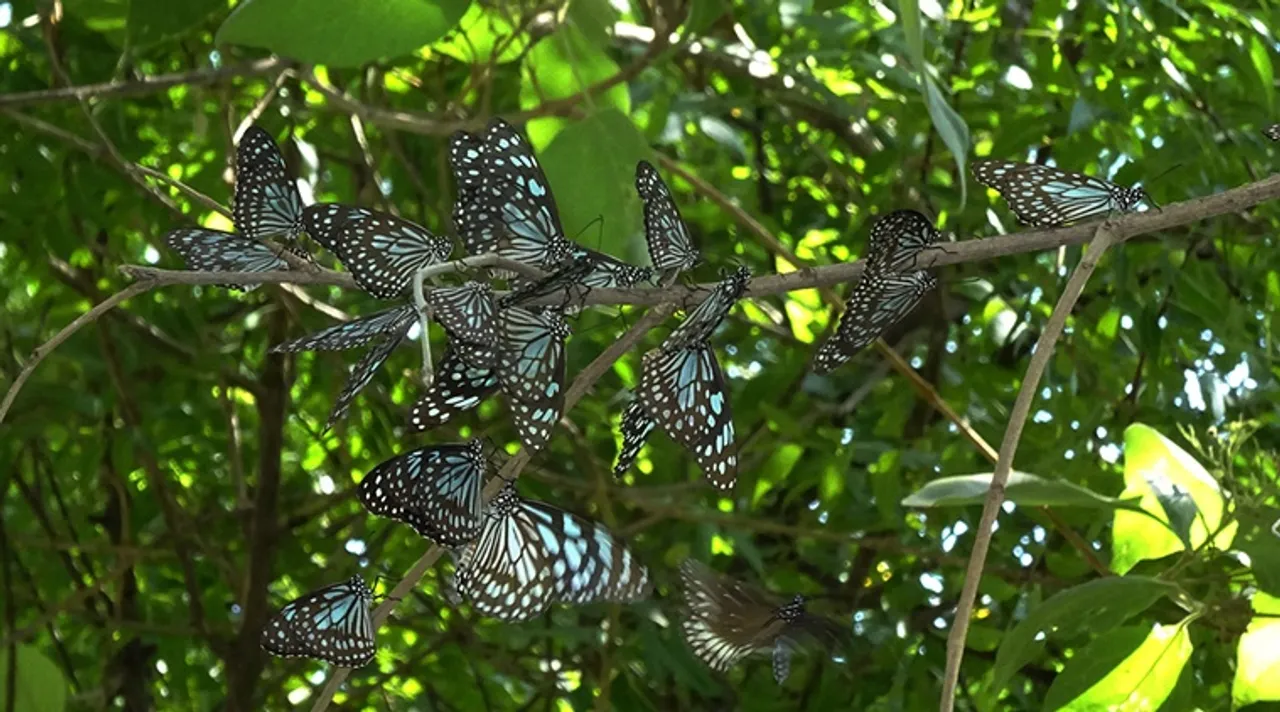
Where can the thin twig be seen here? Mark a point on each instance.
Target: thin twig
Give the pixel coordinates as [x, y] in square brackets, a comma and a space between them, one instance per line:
[1104, 237]
[145, 85]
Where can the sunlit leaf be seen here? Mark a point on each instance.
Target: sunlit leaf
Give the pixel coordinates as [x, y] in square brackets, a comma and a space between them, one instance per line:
[40, 684]
[1142, 680]
[1258, 655]
[1021, 488]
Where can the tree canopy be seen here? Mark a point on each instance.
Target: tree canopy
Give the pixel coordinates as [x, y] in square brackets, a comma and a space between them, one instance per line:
[171, 483]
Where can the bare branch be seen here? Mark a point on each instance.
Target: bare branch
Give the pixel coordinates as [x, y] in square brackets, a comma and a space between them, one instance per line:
[146, 85]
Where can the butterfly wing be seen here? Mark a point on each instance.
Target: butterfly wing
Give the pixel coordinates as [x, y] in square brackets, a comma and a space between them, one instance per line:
[1272, 132]
[331, 624]
[589, 563]
[506, 573]
[703, 320]
[216, 251]
[382, 252]
[354, 333]
[1042, 196]
[636, 426]
[266, 202]
[457, 387]
[467, 314]
[435, 490]
[531, 370]
[897, 238]
[361, 374]
[607, 272]
[683, 391]
[877, 303]
[472, 219]
[726, 620]
[670, 245]
[323, 221]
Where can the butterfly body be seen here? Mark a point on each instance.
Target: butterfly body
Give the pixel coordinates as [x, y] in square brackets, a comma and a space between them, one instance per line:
[330, 624]
[266, 203]
[636, 426]
[434, 489]
[216, 251]
[1043, 196]
[530, 554]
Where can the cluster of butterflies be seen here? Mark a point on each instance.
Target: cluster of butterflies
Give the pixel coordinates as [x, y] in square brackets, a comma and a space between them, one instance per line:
[515, 557]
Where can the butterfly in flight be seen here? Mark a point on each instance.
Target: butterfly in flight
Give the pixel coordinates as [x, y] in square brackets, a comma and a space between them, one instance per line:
[331, 624]
[1272, 132]
[457, 387]
[364, 371]
[504, 202]
[670, 245]
[531, 370]
[354, 333]
[381, 251]
[434, 489]
[467, 315]
[1048, 197]
[636, 426]
[266, 202]
[727, 620]
[207, 250]
[530, 554]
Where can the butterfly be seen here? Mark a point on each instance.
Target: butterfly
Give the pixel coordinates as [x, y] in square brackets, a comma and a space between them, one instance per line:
[216, 251]
[266, 202]
[897, 238]
[703, 320]
[878, 302]
[531, 370]
[611, 273]
[530, 554]
[1272, 132]
[683, 391]
[381, 251]
[670, 246]
[1047, 197]
[467, 314]
[434, 489]
[636, 426]
[331, 624]
[351, 334]
[728, 620]
[363, 372]
[505, 203]
[457, 387]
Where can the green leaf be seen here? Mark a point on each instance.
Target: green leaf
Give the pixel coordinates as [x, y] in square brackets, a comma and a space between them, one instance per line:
[481, 34]
[1261, 57]
[565, 64]
[950, 126]
[703, 14]
[1095, 607]
[338, 32]
[594, 19]
[1155, 467]
[591, 166]
[1022, 488]
[40, 688]
[1257, 539]
[151, 21]
[1140, 681]
[1258, 655]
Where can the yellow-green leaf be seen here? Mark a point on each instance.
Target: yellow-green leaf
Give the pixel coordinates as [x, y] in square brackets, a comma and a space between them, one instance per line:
[1258, 655]
[1154, 469]
[1140, 682]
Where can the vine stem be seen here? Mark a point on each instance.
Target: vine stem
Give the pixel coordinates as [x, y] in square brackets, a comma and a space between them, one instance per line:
[1103, 239]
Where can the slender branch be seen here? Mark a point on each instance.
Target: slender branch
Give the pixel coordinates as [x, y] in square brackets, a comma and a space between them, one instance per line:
[145, 85]
[585, 379]
[1105, 236]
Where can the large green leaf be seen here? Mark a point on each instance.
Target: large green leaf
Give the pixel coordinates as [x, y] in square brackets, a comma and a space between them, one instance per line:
[1095, 607]
[1258, 655]
[338, 32]
[591, 166]
[483, 35]
[564, 65]
[1259, 541]
[949, 124]
[40, 688]
[1164, 476]
[1100, 679]
[151, 21]
[1022, 488]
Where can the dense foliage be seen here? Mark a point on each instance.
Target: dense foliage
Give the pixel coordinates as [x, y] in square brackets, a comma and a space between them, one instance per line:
[169, 484]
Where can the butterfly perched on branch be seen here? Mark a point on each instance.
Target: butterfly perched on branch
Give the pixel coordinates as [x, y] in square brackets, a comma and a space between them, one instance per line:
[266, 202]
[682, 391]
[457, 387]
[207, 250]
[530, 555]
[531, 370]
[468, 315]
[883, 296]
[1042, 196]
[381, 251]
[433, 489]
[364, 371]
[354, 333]
[670, 246]
[331, 624]
[1272, 132]
[728, 620]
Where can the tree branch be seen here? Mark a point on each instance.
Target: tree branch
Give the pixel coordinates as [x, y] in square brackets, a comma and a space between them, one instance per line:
[145, 85]
[1104, 237]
